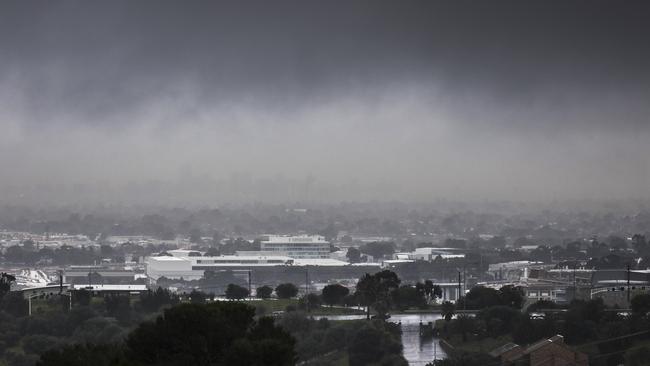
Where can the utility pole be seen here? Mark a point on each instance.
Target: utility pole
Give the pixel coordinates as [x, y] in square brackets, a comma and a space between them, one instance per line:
[628, 285]
[249, 283]
[464, 284]
[458, 298]
[575, 281]
[307, 287]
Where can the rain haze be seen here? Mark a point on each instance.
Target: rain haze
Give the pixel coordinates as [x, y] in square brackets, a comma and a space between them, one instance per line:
[205, 102]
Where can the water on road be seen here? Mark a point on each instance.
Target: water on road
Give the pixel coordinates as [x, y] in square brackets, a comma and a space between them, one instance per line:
[416, 351]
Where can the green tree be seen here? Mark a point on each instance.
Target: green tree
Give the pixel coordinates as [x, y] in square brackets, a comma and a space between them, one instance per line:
[152, 301]
[480, 297]
[405, 297]
[5, 283]
[265, 345]
[541, 305]
[197, 297]
[353, 255]
[499, 319]
[84, 355]
[119, 307]
[637, 357]
[14, 303]
[371, 344]
[310, 301]
[219, 333]
[264, 292]
[447, 310]
[464, 324]
[333, 294]
[234, 292]
[286, 290]
[640, 304]
[39, 343]
[437, 292]
[374, 290]
[429, 290]
[81, 297]
[512, 296]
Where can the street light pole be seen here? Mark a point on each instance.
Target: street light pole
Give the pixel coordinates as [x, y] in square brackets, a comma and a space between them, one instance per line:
[307, 287]
[69, 295]
[249, 284]
[459, 291]
[29, 301]
[628, 285]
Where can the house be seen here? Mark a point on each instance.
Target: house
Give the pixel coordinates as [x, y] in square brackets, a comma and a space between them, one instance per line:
[547, 352]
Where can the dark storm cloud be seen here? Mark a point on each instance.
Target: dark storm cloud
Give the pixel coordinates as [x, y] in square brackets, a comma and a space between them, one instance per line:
[100, 56]
[508, 88]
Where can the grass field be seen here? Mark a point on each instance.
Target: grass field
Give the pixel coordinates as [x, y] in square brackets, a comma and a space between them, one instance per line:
[273, 305]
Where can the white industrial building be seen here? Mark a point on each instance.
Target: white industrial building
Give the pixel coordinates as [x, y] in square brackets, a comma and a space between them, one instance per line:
[304, 246]
[190, 265]
[427, 254]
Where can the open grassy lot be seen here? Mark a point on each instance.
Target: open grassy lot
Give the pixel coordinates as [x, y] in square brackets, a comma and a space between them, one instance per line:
[273, 305]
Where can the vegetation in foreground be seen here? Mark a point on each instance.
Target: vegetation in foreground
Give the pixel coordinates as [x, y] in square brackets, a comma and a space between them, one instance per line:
[608, 337]
[161, 328]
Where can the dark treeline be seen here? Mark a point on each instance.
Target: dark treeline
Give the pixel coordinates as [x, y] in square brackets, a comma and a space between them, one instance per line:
[28, 253]
[160, 327]
[588, 325]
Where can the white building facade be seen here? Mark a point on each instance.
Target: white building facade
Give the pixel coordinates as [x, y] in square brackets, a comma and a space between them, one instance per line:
[299, 247]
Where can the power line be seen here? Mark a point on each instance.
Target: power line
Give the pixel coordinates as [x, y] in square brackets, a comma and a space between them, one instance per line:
[612, 339]
[620, 351]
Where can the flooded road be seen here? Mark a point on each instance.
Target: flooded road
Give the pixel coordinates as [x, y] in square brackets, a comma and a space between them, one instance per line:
[416, 352]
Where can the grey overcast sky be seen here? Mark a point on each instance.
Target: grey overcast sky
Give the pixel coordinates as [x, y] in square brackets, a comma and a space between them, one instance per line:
[207, 102]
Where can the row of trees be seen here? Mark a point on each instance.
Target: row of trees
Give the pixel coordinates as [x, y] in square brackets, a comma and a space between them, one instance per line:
[382, 291]
[365, 342]
[28, 253]
[283, 291]
[581, 322]
[190, 334]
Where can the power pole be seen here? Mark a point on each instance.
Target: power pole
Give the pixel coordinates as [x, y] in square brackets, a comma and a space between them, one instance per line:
[458, 298]
[307, 287]
[575, 281]
[464, 284]
[249, 283]
[480, 268]
[628, 285]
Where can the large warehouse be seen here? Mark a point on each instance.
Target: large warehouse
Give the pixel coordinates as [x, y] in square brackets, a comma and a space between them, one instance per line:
[190, 265]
